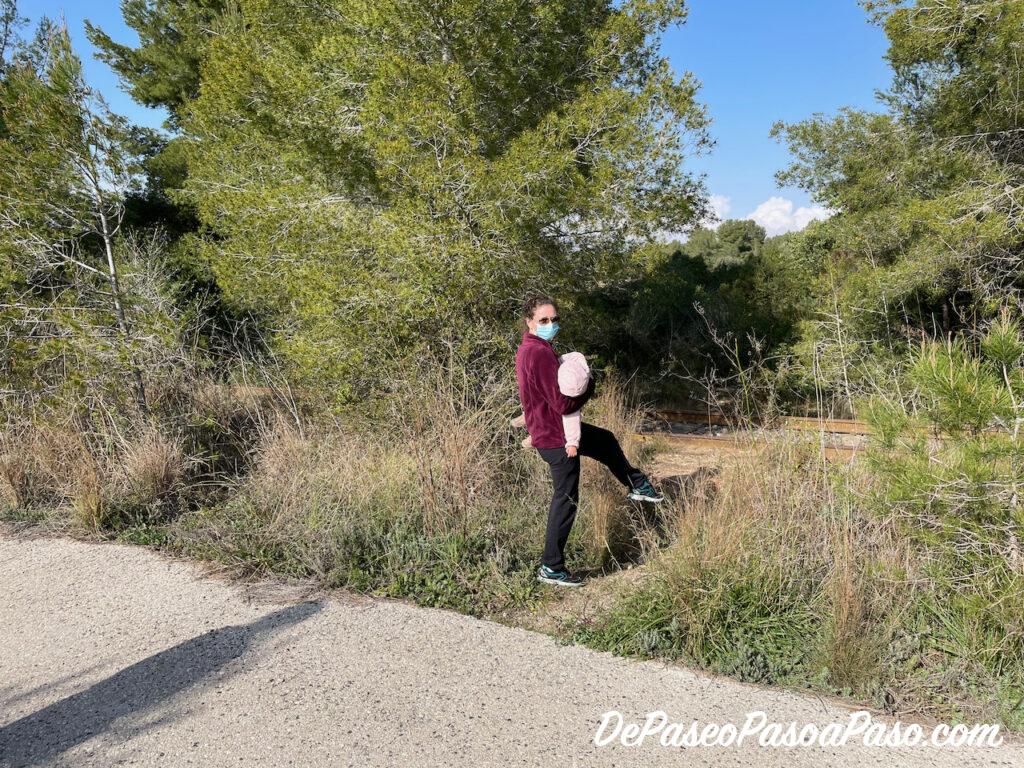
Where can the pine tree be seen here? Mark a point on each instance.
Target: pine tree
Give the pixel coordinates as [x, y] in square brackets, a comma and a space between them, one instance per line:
[379, 174]
[66, 165]
[927, 237]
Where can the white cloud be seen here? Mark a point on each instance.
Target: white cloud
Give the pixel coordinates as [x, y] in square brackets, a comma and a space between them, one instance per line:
[721, 205]
[777, 215]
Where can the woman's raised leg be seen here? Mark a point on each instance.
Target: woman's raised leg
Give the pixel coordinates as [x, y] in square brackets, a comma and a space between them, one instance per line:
[602, 445]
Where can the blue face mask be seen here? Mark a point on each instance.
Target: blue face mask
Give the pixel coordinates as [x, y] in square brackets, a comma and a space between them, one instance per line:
[547, 332]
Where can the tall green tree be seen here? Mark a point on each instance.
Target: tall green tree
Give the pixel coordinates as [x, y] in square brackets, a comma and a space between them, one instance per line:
[163, 70]
[722, 298]
[67, 164]
[10, 21]
[929, 233]
[380, 174]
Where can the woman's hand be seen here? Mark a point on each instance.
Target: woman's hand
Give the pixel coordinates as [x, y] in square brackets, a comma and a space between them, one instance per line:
[570, 451]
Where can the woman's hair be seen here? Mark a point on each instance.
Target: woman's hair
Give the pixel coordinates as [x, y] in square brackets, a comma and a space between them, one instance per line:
[530, 304]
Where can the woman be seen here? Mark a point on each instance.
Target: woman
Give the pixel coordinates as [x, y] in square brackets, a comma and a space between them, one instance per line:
[543, 407]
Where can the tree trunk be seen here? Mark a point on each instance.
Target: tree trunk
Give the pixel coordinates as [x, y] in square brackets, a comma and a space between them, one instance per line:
[122, 320]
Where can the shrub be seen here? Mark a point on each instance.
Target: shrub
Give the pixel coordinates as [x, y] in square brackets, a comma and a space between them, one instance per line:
[947, 465]
[898, 580]
[758, 581]
[428, 496]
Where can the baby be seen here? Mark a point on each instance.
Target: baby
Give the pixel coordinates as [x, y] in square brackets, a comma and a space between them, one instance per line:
[573, 377]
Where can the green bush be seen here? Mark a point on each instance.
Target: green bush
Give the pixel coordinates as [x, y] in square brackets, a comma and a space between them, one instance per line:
[947, 464]
[897, 580]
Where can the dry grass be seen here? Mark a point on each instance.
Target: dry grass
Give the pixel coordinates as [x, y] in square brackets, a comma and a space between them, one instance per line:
[849, 650]
[105, 472]
[613, 530]
[782, 571]
[43, 466]
[152, 465]
[457, 432]
[777, 518]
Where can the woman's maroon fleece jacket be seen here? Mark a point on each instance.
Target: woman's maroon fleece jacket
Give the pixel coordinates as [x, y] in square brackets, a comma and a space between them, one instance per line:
[543, 403]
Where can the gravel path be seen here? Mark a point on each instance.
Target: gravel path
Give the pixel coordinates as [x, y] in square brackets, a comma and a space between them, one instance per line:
[115, 655]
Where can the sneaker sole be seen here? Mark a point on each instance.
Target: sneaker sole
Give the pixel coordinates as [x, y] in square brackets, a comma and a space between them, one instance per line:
[638, 497]
[559, 583]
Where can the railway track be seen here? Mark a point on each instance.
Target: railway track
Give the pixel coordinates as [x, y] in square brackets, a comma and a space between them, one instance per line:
[795, 423]
[829, 429]
[831, 451]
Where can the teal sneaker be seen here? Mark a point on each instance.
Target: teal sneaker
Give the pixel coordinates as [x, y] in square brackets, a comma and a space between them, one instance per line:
[644, 491]
[560, 578]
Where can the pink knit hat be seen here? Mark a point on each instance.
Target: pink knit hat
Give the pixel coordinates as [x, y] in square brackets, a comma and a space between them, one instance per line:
[573, 374]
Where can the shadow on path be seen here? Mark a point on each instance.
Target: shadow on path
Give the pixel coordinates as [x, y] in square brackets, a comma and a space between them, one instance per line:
[44, 735]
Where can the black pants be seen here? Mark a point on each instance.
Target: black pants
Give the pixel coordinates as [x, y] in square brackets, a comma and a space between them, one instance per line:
[598, 444]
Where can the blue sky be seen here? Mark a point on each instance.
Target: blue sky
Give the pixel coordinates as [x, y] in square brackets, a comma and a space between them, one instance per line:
[105, 14]
[758, 61]
[765, 60]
